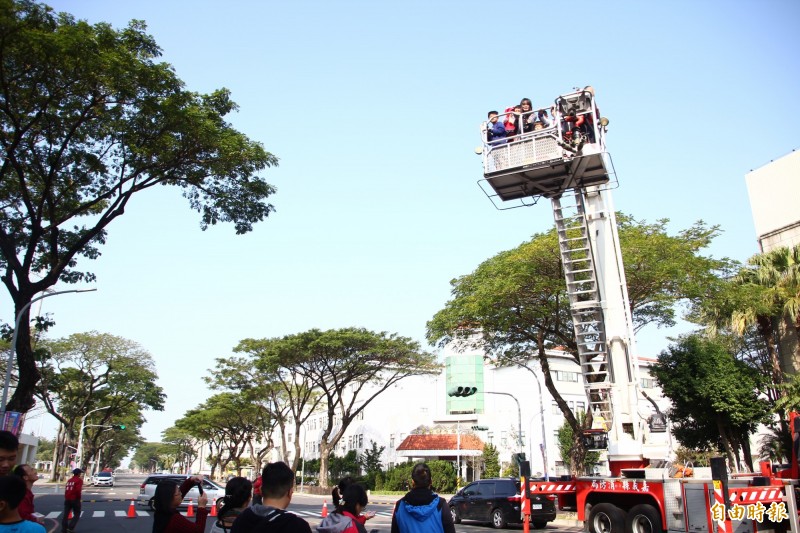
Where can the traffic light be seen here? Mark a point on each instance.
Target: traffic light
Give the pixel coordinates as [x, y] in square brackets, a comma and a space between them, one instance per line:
[519, 458]
[119, 426]
[462, 391]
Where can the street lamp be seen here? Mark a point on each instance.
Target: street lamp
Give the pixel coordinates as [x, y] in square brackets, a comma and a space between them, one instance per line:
[14, 340]
[79, 455]
[519, 416]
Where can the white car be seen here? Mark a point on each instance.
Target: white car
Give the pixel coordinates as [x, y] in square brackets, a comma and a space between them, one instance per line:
[148, 489]
[103, 479]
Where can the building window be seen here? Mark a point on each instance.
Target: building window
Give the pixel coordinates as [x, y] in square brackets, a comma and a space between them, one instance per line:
[503, 439]
[648, 383]
[360, 440]
[556, 409]
[580, 407]
[391, 442]
[561, 375]
[290, 437]
[571, 406]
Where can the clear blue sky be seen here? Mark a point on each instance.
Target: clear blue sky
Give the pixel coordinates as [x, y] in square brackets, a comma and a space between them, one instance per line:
[373, 109]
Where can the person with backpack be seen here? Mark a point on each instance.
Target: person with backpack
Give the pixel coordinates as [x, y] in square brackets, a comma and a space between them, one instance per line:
[277, 488]
[421, 510]
[347, 517]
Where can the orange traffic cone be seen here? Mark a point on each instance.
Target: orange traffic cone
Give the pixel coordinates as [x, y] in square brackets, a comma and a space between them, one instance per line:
[190, 510]
[131, 510]
[69, 516]
[213, 508]
[324, 508]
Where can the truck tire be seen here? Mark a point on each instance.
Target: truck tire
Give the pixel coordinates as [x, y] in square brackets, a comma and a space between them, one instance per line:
[643, 518]
[606, 518]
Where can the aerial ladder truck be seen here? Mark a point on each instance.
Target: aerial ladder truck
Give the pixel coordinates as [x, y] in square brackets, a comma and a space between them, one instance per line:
[560, 154]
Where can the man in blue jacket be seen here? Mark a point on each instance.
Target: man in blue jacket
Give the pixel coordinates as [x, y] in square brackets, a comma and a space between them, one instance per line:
[422, 510]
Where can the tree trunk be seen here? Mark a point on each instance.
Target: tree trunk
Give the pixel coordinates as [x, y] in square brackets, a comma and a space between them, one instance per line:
[22, 399]
[324, 453]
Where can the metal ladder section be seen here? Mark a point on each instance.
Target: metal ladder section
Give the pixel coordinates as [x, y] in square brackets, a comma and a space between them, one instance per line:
[584, 302]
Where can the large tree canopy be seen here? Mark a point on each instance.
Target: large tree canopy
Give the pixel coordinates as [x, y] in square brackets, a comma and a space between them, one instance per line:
[88, 118]
[714, 396]
[515, 304]
[347, 368]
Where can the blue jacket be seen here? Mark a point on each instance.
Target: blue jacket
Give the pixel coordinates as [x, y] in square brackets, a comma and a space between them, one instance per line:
[422, 511]
[496, 133]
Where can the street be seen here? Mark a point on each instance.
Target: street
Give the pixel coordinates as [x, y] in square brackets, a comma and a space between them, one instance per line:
[105, 509]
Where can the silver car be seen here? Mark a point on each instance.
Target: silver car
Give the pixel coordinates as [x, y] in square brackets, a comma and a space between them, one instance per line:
[148, 489]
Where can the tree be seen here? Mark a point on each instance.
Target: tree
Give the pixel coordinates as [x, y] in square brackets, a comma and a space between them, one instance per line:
[89, 118]
[370, 463]
[514, 305]
[230, 423]
[491, 461]
[265, 392]
[148, 456]
[566, 441]
[349, 368]
[89, 370]
[714, 396]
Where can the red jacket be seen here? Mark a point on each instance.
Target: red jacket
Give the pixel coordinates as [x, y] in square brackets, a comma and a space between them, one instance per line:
[73, 488]
[179, 524]
[26, 507]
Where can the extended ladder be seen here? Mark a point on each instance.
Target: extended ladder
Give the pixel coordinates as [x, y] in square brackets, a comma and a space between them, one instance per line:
[578, 261]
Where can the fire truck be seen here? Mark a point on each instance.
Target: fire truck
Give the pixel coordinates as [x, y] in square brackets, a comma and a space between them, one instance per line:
[559, 153]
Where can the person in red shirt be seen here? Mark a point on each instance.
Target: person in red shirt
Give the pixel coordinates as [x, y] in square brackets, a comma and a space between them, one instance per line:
[29, 475]
[166, 500]
[72, 501]
[257, 491]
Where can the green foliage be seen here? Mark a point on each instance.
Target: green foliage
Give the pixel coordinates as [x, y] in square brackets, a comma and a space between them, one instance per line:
[697, 457]
[44, 452]
[370, 463]
[714, 396]
[516, 305]
[491, 461]
[341, 370]
[343, 466]
[565, 444]
[90, 120]
[443, 477]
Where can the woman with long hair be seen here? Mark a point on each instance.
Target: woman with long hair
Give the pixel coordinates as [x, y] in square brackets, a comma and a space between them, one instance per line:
[237, 498]
[166, 500]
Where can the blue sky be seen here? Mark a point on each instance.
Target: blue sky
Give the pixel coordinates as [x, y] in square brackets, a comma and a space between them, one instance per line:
[373, 109]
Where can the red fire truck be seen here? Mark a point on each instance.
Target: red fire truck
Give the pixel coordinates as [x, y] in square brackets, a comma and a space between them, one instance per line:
[559, 153]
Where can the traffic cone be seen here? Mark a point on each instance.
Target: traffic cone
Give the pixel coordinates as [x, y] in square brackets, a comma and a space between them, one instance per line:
[190, 510]
[69, 516]
[131, 510]
[324, 508]
[213, 508]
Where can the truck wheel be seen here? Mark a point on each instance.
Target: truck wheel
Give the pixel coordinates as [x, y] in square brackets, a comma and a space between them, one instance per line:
[454, 514]
[498, 520]
[606, 518]
[643, 518]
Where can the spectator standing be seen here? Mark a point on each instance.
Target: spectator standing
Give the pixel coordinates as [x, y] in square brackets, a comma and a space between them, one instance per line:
[72, 501]
[12, 491]
[29, 475]
[257, 491]
[422, 509]
[237, 497]
[9, 444]
[166, 500]
[277, 488]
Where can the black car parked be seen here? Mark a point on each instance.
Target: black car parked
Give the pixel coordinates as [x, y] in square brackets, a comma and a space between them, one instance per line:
[498, 501]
